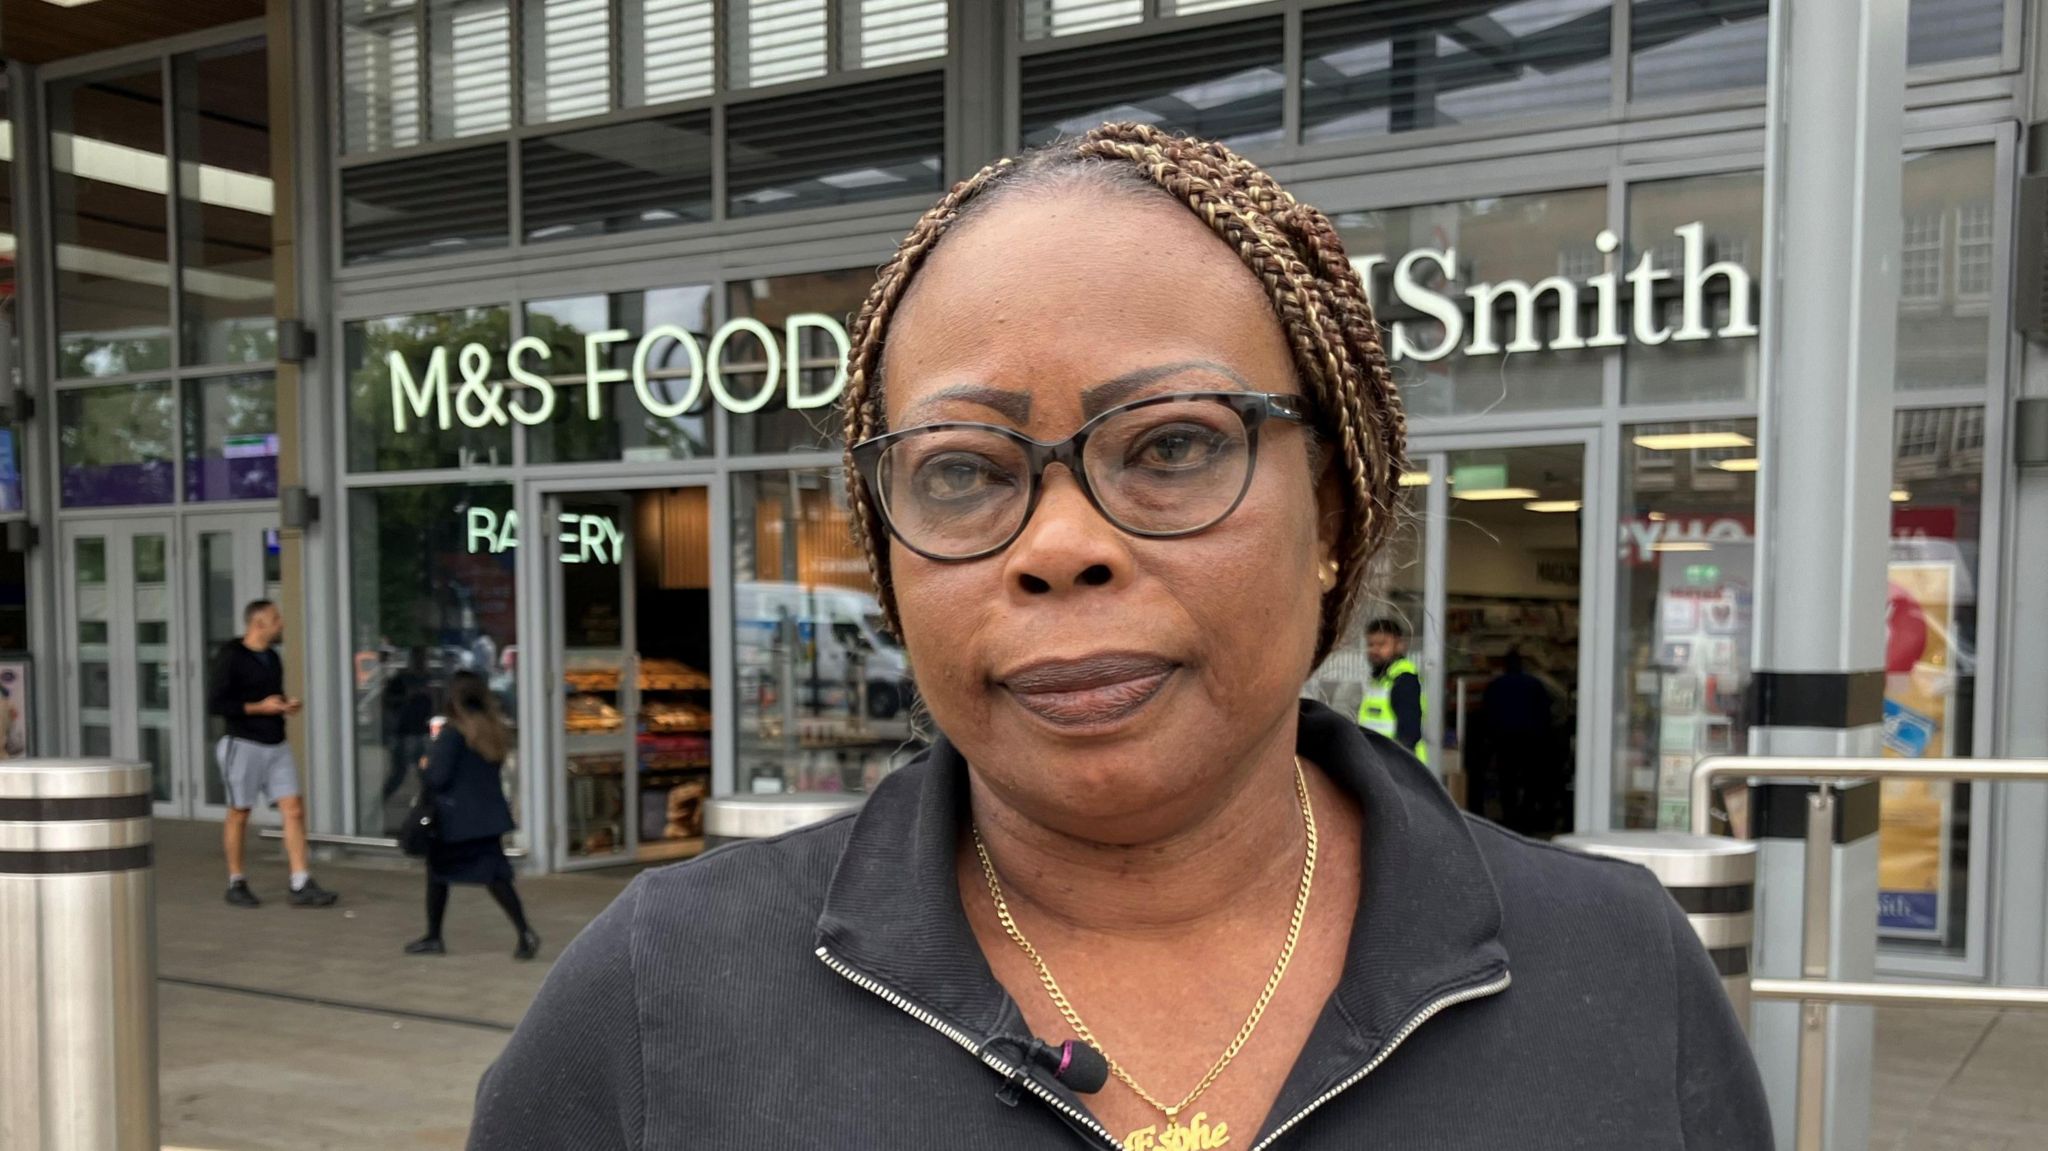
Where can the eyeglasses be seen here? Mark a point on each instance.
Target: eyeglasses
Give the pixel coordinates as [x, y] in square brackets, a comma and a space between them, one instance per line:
[1160, 467]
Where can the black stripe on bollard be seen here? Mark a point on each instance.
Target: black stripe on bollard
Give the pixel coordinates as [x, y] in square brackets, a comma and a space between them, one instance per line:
[74, 808]
[75, 862]
[1730, 961]
[1714, 900]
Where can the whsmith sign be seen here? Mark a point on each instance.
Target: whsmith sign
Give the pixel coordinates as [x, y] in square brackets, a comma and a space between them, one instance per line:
[1485, 319]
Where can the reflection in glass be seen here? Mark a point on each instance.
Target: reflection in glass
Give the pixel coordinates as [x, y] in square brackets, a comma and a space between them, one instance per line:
[1947, 268]
[847, 145]
[108, 179]
[1523, 238]
[377, 403]
[1394, 590]
[428, 205]
[618, 178]
[824, 694]
[1374, 69]
[225, 200]
[626, 429]
[1938, 31]
[231, 438]
[776, 427]
[1223, 83]
[1730, 209]
[114, 445]
[1675, 49]
[1937, 502]
[432, 592]
[1686, 566]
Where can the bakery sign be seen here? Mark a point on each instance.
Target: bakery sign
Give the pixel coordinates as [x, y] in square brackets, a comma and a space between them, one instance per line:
[1508, 316]
[470, 387]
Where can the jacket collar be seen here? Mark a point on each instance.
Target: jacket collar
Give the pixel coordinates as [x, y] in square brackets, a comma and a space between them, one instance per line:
[1428, 922]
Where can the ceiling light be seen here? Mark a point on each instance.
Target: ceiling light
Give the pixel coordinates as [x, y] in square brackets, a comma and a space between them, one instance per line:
[1415, 479]
[1551, 506]
[1682, 546]
[1901, 495]
[1658, 517]
[1693, 441]
[1498, 494]
[1748, 464]
[70, 3]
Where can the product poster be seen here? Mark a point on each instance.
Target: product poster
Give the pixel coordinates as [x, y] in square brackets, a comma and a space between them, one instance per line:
[1920, 690]
[14, 709]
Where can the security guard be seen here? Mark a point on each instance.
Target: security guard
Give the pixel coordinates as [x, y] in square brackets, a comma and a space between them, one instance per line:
[1394, 705]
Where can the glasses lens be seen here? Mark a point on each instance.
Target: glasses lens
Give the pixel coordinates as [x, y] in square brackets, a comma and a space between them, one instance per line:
[953, 492]
[1177, 466]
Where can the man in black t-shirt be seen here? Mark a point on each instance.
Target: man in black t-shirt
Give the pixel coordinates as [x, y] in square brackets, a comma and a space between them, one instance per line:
[255, 761]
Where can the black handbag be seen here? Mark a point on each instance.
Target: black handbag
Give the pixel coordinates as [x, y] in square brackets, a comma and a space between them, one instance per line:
[418, 834]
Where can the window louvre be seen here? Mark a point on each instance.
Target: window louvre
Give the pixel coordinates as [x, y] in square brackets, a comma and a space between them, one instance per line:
[618, 178]
[1222, 82]
[866, 142]
[1706, 46]
[1941, 30]
[894, 31]
[1045, 18]
[671, 54]
[1410, 65]
[470, 45]
[776, 41]
[380, 75]
[568, 58]
[427, 205]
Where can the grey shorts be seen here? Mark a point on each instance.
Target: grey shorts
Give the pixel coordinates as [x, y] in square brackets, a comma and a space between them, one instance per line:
[256, 771]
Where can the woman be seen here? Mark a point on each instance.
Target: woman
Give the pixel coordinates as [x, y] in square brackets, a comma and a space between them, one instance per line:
[470, 813]
[1123, 444]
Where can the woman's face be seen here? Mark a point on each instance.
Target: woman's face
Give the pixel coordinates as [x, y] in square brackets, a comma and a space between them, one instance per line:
[1106, 685]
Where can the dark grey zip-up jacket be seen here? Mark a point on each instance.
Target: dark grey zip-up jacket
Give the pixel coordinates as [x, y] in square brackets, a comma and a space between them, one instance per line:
[824, 989]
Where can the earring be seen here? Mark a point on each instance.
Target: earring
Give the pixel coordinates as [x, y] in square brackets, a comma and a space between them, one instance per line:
[1326, 575]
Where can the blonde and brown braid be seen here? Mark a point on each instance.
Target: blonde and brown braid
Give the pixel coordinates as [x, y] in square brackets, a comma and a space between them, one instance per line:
[1298, 258]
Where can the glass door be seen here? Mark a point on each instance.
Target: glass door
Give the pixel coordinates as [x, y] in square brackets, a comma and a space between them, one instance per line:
[1509, 544]
[594, 695]
[629, 598]
[121, 693]
[234, 559]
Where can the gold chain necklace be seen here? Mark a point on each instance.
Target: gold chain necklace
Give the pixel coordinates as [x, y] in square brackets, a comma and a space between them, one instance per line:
[1199, 1134]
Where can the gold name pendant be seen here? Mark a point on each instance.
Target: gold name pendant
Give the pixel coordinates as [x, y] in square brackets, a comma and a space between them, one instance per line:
[1198, 1135]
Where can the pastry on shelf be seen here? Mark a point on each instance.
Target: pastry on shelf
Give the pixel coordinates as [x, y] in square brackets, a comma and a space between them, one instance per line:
[667, 716]
[590, 713]
[671, 675]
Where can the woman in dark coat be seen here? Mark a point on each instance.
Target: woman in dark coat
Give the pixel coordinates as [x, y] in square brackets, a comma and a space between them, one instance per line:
[470, 812]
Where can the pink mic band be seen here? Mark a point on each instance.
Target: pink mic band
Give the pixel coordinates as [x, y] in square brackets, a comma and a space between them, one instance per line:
[1066, 1057]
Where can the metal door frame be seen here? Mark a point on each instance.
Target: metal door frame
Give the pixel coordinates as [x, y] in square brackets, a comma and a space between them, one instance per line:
[123, 645]
[246, 528]
[545, 786]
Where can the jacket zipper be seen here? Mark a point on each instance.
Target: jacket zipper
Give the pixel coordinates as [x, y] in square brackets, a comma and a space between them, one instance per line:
[1400, 1037]
[967, 1041]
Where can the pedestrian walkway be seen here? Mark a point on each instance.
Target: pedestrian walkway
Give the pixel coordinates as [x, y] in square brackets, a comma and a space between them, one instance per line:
[301, 1030]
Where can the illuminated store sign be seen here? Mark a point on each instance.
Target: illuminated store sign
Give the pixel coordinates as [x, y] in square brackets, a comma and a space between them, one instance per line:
[1507, 315]
[482, 398]
[585, 539]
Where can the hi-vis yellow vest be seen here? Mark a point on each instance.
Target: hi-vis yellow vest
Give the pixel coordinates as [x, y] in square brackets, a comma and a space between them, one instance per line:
[1377, 712]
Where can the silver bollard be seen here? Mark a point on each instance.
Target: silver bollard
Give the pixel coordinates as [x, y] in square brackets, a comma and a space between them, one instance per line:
[732, 818]
[77, 957]
[1714, 881]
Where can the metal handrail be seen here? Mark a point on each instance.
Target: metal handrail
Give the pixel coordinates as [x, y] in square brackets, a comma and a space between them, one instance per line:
[1815, 990]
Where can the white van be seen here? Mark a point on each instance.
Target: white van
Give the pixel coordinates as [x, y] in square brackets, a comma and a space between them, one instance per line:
[836, 627]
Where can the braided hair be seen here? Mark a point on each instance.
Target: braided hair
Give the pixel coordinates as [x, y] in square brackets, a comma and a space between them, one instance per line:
[1293, 250]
